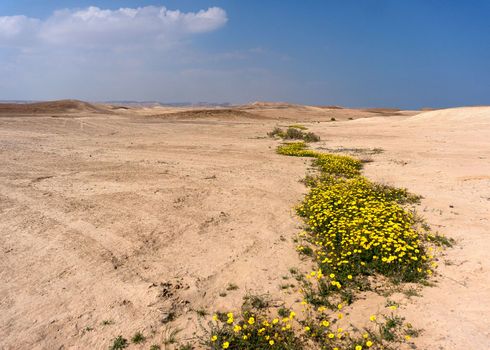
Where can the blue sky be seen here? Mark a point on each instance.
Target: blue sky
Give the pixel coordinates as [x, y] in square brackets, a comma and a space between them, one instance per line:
[407, 54]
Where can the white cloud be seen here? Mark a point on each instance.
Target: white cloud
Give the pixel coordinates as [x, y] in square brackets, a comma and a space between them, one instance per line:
[95, 27]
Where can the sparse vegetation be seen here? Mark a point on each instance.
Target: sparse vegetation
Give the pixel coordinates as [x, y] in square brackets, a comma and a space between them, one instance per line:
[170, 335]
[201, 312]
[294, 133]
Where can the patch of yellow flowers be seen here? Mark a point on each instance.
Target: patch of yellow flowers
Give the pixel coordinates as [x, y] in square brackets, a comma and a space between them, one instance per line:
[358, 230]
[253, 331]
[356, 226]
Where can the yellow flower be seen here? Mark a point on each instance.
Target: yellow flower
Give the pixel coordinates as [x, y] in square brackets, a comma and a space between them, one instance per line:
[275, 321]
[369, 343]
[226, 345]
[358, 347]
[393, 307]
[214, 338]
[215, 317]
[331, 335]
[407, 337]
[237, 328]
[349, 277]
[292, 314]
[271, 342]
[339, 306]
[372, 318]
[251, 320]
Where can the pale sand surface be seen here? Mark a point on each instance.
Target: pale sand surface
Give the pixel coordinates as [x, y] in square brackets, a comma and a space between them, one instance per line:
[129, 214]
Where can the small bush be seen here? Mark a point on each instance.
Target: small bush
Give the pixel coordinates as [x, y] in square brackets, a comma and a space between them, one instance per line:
[294, 133]
[119, 343]
[311, 137]
[138, 337]
[277, 132]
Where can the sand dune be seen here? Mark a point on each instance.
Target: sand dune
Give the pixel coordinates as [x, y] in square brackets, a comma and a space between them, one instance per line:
[462, 115]
[62, 106]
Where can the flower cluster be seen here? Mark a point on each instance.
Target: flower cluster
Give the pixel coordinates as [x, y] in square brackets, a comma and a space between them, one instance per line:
[297, 149]
[253, 331]
[357, 229]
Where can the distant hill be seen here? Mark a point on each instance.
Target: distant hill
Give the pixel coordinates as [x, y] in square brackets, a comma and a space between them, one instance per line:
[61, 106]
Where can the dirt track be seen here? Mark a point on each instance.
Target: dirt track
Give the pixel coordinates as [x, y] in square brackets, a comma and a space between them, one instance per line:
[131, 218]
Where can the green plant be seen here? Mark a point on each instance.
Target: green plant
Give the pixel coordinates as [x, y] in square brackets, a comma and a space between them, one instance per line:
[119, 343]
[138, 337]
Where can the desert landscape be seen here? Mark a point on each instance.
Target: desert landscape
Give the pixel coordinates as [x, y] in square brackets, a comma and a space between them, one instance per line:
[117, 220]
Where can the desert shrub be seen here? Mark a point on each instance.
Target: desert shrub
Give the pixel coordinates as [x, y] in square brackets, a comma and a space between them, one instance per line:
[119, 343]
[294, 133]
[311, 137]
[276, 132]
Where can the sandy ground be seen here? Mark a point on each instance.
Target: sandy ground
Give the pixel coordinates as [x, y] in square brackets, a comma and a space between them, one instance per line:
[136, 215]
